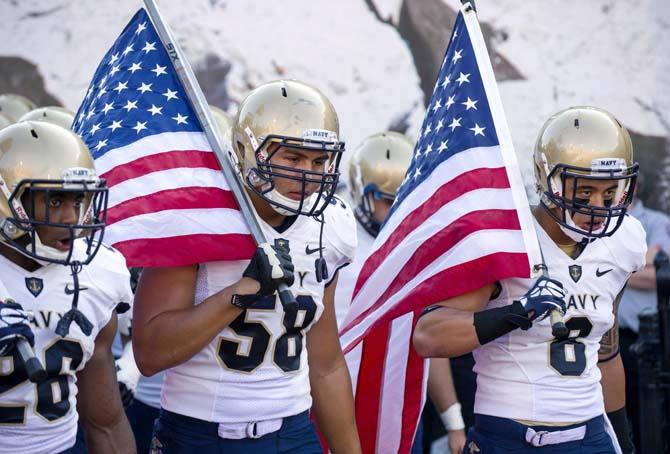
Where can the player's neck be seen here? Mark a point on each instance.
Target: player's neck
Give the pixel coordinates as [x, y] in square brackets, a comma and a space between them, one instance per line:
[551, 227]
[265, 210]
[19, 259]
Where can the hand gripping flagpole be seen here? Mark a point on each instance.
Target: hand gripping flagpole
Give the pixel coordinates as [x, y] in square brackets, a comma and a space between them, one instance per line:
[199, 104]
[558, 328]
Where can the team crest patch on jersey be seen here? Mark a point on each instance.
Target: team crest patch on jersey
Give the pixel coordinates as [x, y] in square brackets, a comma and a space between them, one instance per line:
[575, 272]
[35, 285]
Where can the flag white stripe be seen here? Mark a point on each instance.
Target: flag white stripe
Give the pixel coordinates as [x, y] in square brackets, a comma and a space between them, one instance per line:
[151, 145]
[506, 146]
[385, 273]
[466, 161]
[393, 385]
[165, 180]
[169, 223]
[479, 244]
[354, 364]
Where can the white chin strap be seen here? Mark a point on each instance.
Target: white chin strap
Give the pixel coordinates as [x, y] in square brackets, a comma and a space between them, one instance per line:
[276, 197]
[576, 236]
[42, 250]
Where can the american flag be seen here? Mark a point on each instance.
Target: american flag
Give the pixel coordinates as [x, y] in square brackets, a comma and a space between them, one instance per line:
[169, 202]
[460, 221]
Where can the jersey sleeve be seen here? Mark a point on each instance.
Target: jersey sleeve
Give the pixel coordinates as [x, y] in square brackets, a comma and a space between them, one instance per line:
[113, 277]
[339, 234]
[629, 245]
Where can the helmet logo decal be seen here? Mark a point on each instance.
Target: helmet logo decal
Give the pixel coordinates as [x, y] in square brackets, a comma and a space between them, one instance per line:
[252, 137]
[319, 135]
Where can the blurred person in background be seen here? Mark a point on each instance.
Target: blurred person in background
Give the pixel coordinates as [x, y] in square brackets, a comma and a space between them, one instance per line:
[640, 296]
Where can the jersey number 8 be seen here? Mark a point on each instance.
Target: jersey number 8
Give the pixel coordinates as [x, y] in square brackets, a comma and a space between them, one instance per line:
[287, 348]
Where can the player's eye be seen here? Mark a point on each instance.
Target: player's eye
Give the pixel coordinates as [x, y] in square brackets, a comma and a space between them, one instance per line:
[55, 202]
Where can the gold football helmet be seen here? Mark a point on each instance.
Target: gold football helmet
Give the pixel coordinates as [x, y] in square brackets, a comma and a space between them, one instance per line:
[224, 123]
[295, 115]
[4, 121]
[577, 145]
[52, 114]
[376, 170]
[43, 157]
[14, 106]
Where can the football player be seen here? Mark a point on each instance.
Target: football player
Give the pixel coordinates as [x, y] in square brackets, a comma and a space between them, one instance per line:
[51, 216]
[15, 106]
[376, 170]
[534, 390]
[242, 371]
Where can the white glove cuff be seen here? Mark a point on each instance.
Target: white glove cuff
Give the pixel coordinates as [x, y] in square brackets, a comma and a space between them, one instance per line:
[452, 418]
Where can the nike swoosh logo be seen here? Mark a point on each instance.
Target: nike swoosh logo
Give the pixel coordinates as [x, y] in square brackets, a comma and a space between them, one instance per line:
[309, 251]
[70, 291]
[602, 273]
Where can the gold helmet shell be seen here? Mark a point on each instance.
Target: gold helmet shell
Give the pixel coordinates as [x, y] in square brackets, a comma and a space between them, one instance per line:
[224, 122]
[40, 156]
[4, 121]
[377, 169]
[295, 115]
[584, 143]
[15, 106]
[51, 114]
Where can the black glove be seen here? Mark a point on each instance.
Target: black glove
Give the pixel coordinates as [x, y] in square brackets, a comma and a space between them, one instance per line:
[544, 296]
[270, 266]
[14, 325]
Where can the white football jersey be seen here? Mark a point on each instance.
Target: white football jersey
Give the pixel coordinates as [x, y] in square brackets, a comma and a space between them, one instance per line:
[348, 275]
[256, 369]
[43, 418]
[532, 376]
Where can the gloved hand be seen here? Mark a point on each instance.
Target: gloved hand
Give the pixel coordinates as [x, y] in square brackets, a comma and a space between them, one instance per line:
[270, 266]
[545, 295]
[128, 375]
[14, 325]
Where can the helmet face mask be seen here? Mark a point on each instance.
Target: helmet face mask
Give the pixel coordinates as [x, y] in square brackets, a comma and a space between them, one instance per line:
[280, 118]
[317, 187]
[46, 170]
[33, 231]
[568, 183]
[584, 172]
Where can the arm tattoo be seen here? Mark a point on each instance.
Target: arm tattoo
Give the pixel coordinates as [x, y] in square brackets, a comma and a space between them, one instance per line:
[609, 344]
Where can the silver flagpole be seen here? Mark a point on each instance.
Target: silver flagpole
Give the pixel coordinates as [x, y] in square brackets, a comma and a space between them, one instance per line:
[199, 104]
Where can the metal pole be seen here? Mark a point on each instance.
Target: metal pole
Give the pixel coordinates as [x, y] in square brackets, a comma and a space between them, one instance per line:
[199, 104]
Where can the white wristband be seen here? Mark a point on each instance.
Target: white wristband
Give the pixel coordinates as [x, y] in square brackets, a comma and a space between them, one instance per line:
[452, 418]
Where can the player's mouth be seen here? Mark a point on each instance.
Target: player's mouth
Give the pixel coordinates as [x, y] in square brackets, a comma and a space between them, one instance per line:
[592, 226]
[296, 195]
[62, 244]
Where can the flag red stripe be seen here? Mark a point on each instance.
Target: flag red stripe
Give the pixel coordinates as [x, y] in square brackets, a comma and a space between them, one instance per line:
[413, 395]
[196, 197]
[452, 282]
[161, 161]
[476, 179]
[437, 245]
[369, 385]
[186, 249]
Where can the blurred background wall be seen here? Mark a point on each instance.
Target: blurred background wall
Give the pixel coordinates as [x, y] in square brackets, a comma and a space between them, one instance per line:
[377, 59]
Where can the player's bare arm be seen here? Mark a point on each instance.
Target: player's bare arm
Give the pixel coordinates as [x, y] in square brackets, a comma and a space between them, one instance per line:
[450, 331]
[330, 381]
[168, 328]
[99, 403]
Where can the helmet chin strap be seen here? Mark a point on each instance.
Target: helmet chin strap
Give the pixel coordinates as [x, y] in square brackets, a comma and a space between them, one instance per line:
[280, 199]
[577, 236]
